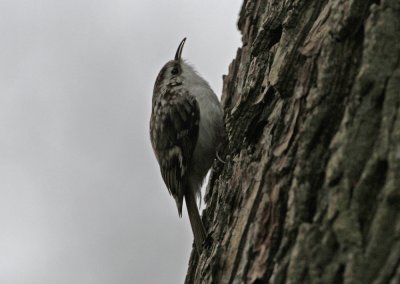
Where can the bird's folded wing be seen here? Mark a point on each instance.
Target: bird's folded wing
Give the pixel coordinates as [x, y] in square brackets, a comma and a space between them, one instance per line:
[174, 138]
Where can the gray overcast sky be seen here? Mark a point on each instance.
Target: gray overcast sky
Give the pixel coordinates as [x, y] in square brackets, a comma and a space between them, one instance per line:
[81, 196]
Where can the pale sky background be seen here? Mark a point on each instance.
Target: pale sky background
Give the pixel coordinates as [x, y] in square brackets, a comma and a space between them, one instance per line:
[81, 196]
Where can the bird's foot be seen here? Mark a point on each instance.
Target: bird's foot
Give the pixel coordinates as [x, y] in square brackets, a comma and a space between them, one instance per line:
[219, 158]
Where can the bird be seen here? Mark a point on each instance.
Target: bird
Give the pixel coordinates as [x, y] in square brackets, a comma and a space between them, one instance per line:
[186, 128]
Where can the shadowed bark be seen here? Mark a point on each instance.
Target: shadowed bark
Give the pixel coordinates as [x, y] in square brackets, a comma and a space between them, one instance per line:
[310, 190]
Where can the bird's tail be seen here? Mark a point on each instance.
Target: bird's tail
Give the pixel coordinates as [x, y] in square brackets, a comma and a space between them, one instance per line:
[199, 232]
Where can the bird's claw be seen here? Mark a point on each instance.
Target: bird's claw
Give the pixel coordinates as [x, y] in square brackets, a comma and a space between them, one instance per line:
[219, 158]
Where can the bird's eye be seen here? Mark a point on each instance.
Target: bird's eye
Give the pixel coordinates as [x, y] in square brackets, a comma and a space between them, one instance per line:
[174, 71]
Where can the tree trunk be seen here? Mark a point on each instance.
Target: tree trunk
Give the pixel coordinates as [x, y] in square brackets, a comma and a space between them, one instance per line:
[310, 188]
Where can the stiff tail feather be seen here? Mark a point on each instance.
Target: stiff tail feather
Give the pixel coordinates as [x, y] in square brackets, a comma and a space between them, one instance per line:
[199, 232]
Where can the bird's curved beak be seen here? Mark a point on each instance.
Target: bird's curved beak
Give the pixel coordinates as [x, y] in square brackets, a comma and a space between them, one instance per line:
[178, 53]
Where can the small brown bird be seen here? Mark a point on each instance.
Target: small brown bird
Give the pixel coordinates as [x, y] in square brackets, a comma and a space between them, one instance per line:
[186, 126]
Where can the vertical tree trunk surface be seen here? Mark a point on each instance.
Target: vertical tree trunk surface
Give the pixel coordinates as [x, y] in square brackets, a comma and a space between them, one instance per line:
[310, 188]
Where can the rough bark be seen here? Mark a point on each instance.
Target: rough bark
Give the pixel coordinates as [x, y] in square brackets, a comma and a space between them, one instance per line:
[310, 188]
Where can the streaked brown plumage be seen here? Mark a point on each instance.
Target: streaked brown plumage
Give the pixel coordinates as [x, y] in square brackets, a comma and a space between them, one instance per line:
[186, 127]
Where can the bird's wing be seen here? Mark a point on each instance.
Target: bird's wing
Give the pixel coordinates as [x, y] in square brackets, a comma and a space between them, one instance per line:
[174, 135]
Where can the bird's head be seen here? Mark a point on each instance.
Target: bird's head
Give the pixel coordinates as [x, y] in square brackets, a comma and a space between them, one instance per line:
[176, 72]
